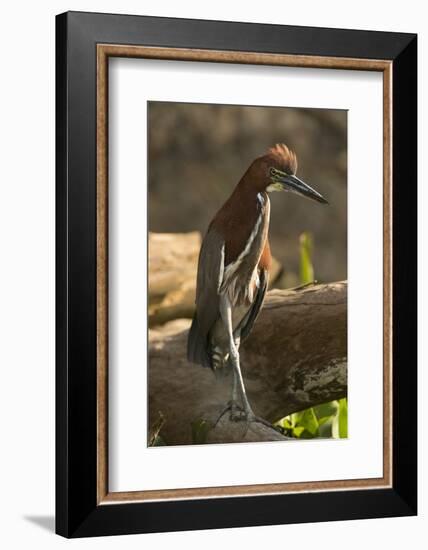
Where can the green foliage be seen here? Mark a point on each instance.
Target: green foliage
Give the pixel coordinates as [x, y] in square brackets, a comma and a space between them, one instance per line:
[200, 429]
[328, 420]
[343, 418]
[306, 267]
[327, 413]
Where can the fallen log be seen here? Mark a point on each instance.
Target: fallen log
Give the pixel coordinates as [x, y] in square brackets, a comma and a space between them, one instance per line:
[172, 261]
[295, 357]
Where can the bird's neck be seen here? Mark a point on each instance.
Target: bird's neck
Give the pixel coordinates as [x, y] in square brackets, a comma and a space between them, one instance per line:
[246, 204]
[237, 219]
[248, 194]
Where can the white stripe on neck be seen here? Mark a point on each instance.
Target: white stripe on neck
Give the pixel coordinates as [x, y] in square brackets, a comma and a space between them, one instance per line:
[230, 270]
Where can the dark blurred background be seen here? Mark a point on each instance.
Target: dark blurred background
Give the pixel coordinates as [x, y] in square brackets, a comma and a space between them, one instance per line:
[198, 153]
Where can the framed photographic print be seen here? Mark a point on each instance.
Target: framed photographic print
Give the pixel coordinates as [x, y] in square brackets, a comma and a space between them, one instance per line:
[236, 274]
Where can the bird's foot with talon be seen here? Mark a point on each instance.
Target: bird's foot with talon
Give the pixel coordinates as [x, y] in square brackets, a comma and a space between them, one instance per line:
[236, 412]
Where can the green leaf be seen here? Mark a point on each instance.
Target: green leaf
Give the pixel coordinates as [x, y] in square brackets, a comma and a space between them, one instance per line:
[325, 429]
[306, 267]
[343, 417]
[340, 422]
[328, 420]
[297, 432]
[309, 421]
[295, 418]
[285, 423]
[200, 429]
[323, 420]
[326, 409]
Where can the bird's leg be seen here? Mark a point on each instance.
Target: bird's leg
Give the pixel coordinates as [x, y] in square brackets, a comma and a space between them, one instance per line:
[238, 381]
[234, 400]
[236, 412]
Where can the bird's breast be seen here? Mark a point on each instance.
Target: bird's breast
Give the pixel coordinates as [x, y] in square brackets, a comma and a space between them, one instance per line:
[240, 276]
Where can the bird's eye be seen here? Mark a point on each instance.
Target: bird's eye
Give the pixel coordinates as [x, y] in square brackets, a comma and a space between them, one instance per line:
[272, 171]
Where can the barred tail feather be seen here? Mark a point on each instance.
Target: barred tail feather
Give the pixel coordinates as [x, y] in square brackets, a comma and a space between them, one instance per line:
[197, 346]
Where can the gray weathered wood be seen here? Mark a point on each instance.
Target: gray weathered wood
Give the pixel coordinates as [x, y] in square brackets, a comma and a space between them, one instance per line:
[295, 357]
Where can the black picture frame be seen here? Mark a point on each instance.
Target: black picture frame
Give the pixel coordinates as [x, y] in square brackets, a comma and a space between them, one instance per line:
[77, 511]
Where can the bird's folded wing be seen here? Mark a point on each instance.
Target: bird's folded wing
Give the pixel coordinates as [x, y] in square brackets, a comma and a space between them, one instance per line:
[210, 277]
[248, 321]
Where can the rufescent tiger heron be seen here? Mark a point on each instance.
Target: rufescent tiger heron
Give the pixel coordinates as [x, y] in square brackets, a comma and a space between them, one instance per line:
[233, 270]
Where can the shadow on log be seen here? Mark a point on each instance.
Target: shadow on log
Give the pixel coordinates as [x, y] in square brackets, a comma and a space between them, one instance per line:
[295, 357]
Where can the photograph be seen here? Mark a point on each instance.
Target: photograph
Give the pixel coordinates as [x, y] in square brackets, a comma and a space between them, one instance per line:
[247, 273]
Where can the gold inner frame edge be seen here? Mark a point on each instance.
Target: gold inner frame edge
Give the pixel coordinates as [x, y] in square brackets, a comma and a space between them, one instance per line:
[104, 51]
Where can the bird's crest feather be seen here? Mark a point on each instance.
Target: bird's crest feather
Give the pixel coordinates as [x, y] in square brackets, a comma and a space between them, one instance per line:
[283, 156]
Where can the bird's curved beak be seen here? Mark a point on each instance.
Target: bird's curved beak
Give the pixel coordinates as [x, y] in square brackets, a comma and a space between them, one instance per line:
[292, 183]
